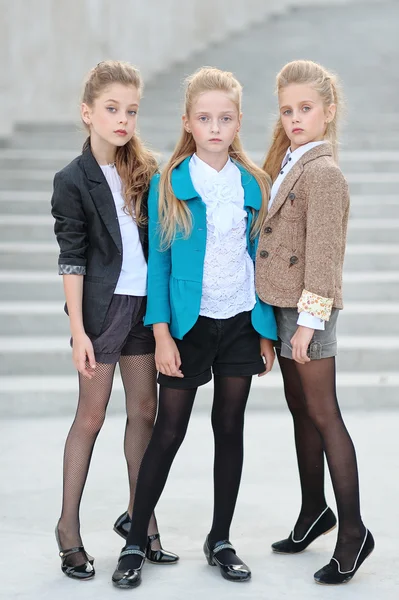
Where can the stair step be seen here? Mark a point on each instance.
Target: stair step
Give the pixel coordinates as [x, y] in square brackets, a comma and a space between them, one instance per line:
[48, 318]
[50, 354]
[49, 395]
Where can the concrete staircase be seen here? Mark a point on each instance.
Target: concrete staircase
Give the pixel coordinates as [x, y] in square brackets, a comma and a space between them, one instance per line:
[36, 373]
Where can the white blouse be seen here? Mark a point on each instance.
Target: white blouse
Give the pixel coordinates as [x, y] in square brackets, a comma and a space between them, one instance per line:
[289, 161]
[133, 276]
[228, 286]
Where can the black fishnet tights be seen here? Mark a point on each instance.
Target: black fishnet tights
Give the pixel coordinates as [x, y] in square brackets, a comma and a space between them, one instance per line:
[175, 408]
[138, 375]
[314, 389]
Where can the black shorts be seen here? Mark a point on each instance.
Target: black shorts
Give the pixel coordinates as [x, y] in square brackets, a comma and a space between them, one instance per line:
[123, 332]
[229, 347]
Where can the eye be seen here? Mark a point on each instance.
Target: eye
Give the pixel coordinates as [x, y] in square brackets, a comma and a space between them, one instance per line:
[132, 113]
[306, 108]
[203, 119]
[287, 111]
[226, 119]
[111, 109]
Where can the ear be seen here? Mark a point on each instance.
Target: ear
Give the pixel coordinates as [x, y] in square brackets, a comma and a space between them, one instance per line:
[85, 113]
[186, 124]
[330, 113]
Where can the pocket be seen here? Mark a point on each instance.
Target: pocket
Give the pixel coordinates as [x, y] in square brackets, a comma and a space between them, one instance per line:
[293, 208]
[287, 269]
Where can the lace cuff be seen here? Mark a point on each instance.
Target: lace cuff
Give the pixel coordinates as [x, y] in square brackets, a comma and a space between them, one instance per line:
[71, 270]
[315, 305]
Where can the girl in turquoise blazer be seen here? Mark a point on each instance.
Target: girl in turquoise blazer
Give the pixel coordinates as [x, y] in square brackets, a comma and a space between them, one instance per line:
[205, 214]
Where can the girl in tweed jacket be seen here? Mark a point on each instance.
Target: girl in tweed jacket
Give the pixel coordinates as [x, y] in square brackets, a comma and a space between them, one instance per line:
[299, 271]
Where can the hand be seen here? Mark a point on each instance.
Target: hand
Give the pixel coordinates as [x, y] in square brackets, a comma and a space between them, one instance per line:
[83, 355]
[167, 356]
[300, 342]
[267, 351]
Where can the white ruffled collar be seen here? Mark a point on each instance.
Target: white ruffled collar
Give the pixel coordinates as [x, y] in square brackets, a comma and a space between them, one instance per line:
[221, 191]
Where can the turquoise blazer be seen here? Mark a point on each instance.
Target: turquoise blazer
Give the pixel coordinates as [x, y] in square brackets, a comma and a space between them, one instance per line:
[175, 274]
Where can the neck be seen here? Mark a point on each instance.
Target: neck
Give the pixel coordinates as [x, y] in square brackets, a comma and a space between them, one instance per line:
[103, 152]
[215, 160]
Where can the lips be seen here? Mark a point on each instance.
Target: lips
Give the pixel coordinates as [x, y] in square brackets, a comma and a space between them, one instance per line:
[215, 140]
[121, 132]
[297, 130]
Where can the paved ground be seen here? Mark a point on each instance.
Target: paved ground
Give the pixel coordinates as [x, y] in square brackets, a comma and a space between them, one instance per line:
[30, 471]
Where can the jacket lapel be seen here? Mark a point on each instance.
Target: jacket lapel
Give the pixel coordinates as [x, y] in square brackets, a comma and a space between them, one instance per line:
[102, 197]
[285, 187]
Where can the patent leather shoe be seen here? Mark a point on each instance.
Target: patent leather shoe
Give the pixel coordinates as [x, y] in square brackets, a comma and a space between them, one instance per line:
[157, 557]
[83, 571]
[132, 577]
[231, 572]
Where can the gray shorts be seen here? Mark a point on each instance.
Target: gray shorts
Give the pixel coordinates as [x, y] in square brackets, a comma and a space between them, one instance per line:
[323, 343]
[123, 332]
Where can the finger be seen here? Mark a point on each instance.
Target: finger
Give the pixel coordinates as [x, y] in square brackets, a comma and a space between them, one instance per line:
[90, 357]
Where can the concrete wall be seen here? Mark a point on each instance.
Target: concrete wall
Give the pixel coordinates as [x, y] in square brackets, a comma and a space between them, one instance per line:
[47, 46]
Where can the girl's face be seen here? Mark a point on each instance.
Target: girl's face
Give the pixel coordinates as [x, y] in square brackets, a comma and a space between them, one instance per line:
[303, 114]
[214, 122]
[112, 117]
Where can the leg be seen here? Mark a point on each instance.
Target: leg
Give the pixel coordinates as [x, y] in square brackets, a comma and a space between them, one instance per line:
[318, 382]
[309, 449]
[230, 399]
[93, 400]
[139, 380]
[175, 406]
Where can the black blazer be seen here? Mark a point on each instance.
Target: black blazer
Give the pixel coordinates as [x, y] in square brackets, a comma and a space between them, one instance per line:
[88, 233]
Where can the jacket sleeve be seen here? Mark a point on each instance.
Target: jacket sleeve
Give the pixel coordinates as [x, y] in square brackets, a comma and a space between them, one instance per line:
[159, 264]
[70, 226]
[328, 201]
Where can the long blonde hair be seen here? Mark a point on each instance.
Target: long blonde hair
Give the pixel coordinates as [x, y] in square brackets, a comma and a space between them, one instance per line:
[327, 85]
[175, 214]
[134, 162]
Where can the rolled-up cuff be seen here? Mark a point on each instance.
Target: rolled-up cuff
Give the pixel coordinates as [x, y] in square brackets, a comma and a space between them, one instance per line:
[315, 305]
[71, 270]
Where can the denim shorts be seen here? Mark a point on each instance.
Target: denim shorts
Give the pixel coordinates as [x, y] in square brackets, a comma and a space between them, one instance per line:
[323, 343]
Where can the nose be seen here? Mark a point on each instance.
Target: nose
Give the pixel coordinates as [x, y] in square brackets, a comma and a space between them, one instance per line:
[123, 118]
[215, 126]
[295, 117]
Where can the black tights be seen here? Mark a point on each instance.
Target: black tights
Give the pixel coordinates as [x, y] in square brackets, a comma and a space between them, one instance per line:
[175, 406]
[319, 428]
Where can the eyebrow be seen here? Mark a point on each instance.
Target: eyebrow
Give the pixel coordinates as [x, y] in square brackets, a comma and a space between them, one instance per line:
[301, 102]
[116, 102]
[205, 112]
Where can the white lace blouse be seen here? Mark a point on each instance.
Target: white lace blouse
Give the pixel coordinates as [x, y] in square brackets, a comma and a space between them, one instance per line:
[228, 286]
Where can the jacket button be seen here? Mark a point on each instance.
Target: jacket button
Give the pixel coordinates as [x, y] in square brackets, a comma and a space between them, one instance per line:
[291, 196]
[293, 260]
[263, 254]
[268, 230]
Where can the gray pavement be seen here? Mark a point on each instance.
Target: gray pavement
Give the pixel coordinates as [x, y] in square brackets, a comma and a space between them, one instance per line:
[30, 472]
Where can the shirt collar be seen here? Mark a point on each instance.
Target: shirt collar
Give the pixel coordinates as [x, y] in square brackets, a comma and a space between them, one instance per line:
[299, 152]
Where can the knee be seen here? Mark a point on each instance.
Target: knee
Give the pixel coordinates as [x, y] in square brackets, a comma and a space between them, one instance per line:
[168, 440]
[228, 428]
[90, 421]
[296, 404]
[323, 417]
[142, 410]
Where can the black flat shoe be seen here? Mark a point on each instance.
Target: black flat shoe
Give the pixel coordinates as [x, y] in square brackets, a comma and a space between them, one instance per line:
[160, 556]
[81, 572]
[157, 557]
[132, 577]
[237, 573]
[332, 574]
[324, 523]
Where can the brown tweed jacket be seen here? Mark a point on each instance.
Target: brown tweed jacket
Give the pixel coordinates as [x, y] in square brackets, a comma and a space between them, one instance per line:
[302, 242]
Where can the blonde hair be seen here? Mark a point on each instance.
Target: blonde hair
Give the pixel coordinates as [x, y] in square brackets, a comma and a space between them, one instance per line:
[175, 214]
[134, 162]
[327, 85]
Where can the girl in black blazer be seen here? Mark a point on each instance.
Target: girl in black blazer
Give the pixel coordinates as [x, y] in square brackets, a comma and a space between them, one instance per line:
[100, 209]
